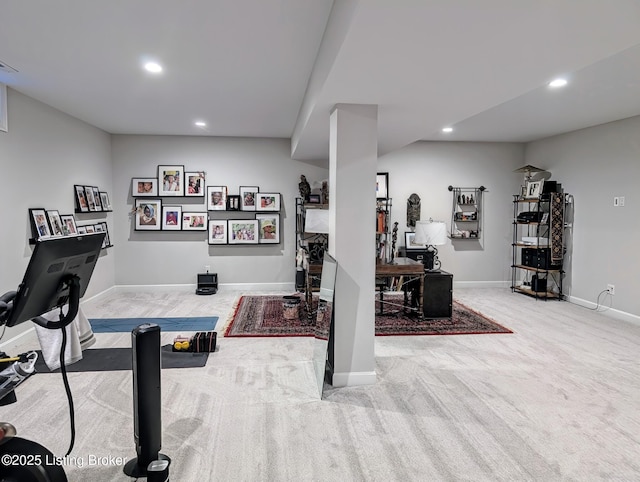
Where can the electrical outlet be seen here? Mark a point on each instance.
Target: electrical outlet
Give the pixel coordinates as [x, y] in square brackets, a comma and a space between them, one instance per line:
[621, 201]
[207, 267]
[611, 289]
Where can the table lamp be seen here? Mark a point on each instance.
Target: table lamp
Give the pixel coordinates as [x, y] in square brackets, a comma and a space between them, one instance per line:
[431, 234]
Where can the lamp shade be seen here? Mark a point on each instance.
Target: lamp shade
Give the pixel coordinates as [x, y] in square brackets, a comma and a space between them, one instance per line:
[431, 233]
[317, 221]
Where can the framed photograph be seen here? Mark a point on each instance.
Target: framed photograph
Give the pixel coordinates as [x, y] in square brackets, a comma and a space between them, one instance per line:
[192, 221]
[216, 198]
[545, 218]
[195, 184]
[248, 197]
[144, 186]
[148, 212]
[171, 180]
[243, 231]
[172, 218]
[534, 189]
[233, 202]
[218, 231]
[55, 223]
[99, 228]
[107, 238]
[91, 201]
[268, 228]
[89, 229]
[39, 225]
[382, 185]
[96, 197]
[409, 243]
[82, 230]
[315, 199]
[82, 206]
[268, 201]
[104, 200]
[69, 227]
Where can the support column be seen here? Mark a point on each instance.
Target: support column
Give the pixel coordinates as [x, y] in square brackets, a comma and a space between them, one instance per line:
[353, 161]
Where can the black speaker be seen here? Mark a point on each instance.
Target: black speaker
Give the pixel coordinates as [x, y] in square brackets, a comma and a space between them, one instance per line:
[538, 284]
[147, 407]
[437, 294]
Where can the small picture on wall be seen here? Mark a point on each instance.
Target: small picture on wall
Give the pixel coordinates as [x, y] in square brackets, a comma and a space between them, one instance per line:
[172, 218]
[96, 197]
[144, 186]
[382, 185]
[171, 180]
[195, 183]
[148, 212]
[248, 197]
[216, 198]
[218, 231]
[233, 202]
[68, 224]
[104, 200]
[81, 199]
[39, 224]
[194, 221]
[268, 228]
[55, 223]
[91, 202]
[243, 231]
[268, 201]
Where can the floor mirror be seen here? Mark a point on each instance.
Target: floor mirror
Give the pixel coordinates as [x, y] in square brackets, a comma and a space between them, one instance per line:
[324, 319]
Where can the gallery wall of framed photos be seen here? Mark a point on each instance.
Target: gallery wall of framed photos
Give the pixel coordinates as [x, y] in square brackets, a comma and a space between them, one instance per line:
[223, 215]
[48, 223]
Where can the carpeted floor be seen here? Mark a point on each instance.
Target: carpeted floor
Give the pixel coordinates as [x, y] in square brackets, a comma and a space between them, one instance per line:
[263, 316]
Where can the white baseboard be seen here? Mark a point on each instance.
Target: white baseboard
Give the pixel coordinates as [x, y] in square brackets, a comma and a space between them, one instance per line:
[353, 379]
[480, 284]
[192, 287]
[612, 312]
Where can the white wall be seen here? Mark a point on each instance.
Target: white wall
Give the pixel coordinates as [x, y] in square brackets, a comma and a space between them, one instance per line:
[44, 153]
[594, 165]
[174, 258]
[428, 168]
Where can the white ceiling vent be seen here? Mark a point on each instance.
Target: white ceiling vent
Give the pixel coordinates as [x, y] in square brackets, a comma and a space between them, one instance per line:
[6, 68]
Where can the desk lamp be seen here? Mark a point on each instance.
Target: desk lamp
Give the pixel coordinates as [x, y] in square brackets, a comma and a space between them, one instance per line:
[431, 234]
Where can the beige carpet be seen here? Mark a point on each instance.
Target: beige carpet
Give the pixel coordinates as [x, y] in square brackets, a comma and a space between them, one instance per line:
[555, 401]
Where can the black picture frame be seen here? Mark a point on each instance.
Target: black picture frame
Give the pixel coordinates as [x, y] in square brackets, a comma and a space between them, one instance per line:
[82, 206]
[382, 185]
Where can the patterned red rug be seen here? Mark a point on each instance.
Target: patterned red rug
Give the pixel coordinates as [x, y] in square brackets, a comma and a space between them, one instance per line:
[263, 316]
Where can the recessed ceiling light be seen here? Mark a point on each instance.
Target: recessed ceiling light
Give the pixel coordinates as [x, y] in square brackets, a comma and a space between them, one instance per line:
[447, 130]
[200, 124]
[558, 83]
[153, 67]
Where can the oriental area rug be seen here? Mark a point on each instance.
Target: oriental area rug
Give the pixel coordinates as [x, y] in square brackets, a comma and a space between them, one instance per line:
[264, 316]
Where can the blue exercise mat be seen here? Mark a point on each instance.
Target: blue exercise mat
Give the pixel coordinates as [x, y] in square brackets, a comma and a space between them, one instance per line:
[119, 325]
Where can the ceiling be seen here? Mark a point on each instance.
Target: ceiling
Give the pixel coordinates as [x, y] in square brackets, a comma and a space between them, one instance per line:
[276, 68]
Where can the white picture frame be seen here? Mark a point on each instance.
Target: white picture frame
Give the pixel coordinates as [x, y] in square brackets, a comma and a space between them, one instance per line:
[534, 189]
[171, 218]
[194, 221]
[216, 198]
[268, 228]
[268, 201]
[148, 215]
[248, 197]
[171, 180]
[243, 231]
[218, 231]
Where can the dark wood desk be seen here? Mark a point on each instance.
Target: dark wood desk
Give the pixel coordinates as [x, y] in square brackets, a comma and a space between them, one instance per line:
[405, 267]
